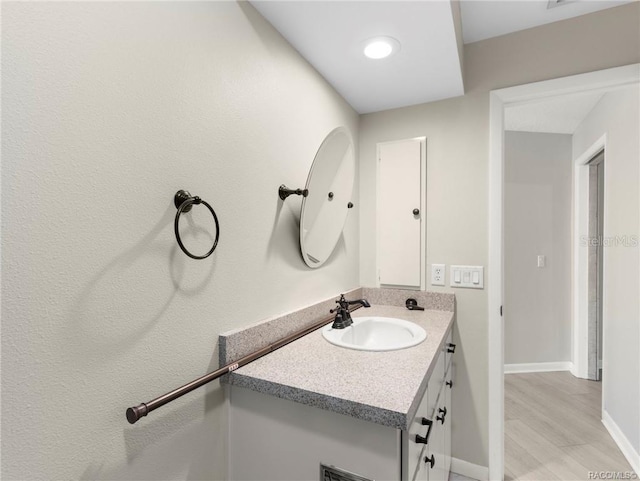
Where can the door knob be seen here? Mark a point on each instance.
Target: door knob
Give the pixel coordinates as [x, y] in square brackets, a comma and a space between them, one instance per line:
[416, 211]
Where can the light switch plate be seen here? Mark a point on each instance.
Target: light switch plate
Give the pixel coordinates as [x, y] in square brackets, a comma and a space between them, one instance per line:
[437, 274]
[471, 277]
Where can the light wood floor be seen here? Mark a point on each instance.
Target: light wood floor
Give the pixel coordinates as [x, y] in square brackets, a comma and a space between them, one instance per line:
[553, 429]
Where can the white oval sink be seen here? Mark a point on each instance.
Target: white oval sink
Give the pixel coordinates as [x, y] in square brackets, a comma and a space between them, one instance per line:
[376, 334]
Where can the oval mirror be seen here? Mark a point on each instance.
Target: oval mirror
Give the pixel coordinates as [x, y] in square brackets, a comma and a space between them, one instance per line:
[325, 209]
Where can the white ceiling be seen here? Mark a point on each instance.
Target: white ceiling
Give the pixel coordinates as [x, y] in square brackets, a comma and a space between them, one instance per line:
[483, 19]
[559, 115]
[331, 34]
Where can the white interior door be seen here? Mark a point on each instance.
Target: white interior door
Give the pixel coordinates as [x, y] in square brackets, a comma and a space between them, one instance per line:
[401, 213]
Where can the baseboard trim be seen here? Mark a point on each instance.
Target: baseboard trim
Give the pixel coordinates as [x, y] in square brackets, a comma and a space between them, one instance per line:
[538, 367]
[470, 470]
[622, 441]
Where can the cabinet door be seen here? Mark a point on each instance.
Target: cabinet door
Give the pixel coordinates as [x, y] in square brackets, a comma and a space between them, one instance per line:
[272, 439]
[449, 383]
[412, 446]
[434, 452]
[422, 469]
[400, 213]
[447, 427]
[432, 458]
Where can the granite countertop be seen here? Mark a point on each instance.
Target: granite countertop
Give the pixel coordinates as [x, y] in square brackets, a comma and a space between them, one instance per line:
[381, 387]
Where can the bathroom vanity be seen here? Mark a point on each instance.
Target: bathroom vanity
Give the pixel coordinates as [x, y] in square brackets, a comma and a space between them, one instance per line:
[379, 415]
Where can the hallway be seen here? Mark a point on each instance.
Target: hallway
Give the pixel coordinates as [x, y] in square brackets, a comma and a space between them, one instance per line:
[553, 429]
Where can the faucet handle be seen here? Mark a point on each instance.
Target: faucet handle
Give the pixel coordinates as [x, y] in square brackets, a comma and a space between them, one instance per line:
[342, 302]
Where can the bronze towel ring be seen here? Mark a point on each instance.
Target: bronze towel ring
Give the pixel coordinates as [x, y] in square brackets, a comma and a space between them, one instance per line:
[183, 201]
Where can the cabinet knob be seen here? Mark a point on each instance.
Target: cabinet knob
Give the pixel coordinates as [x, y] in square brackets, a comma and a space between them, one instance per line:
[451, 348]
[416, 211]
[431, 461]
[442, 411]
[450, 384]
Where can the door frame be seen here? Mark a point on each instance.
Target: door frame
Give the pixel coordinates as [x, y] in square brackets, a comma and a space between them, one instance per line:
[580, 284]
[423, 210]
[498, 100]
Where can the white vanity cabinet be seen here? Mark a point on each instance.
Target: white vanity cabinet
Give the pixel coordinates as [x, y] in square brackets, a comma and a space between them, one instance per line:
[278, 439]
[434, 418]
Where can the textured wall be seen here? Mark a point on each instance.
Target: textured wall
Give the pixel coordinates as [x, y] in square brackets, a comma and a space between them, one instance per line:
[537, 219]
[107, 110]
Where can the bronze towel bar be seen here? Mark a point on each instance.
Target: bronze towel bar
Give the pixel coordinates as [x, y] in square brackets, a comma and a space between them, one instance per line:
[136, 412]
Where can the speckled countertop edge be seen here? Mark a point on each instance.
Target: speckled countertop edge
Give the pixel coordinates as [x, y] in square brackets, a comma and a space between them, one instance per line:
[364, 385]
[321, 401]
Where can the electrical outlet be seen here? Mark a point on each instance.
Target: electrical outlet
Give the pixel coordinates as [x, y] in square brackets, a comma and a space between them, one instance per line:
[437, 274]
[542, 261]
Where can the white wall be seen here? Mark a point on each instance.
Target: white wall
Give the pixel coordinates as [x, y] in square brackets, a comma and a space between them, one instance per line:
[457, 174]
[618, 116]
[107, 110]
[537, 220]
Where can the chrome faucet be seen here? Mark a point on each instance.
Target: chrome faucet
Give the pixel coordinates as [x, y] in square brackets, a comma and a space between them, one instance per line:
[343, 316]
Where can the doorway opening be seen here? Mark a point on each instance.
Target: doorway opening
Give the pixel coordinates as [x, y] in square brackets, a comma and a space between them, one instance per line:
[620, 77]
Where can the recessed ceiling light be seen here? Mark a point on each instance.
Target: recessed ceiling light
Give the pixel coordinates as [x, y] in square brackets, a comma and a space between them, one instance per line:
[381, 47]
